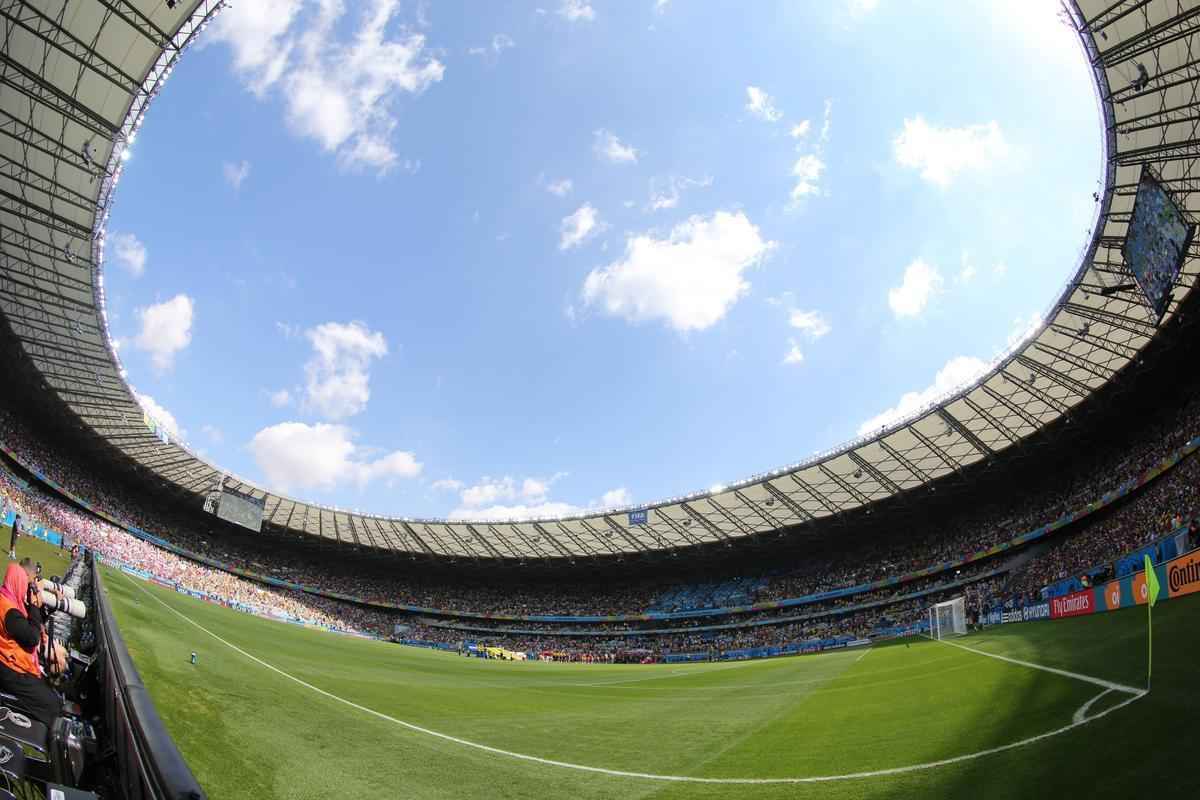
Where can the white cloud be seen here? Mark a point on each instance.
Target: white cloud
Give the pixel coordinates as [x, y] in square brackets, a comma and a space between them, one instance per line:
[339, 92]
[520, 511]
[576, 11]
[689, 279]
[507, 498]
[489, 491]
[967, 273]
[257, 34]
[807, 172]
[1000, 270]
[610, 148]
[860, 8]
[665, 192]
[288, 330]
[660, 6]
[762, 105]
[812, 323]
[294, 455]
[921, 282]
[166, 330]
[236, 174]
[280, 398]
[337, 376]
[578, 227]
[130, 253]
[160, 415]
[561, 188]
[214, 434]
[794, 355]
[492, 490]
[447, 485]
[616, 498]
[957, 372]
[810, 165]
[942, 153]
[534, 488]
[1023, 328]
[500, 43]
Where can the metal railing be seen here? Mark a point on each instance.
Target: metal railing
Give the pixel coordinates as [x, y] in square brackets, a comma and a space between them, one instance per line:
[148, 764]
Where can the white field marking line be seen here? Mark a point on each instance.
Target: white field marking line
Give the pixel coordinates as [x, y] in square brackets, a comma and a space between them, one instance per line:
[644, 775]
[1081, 712]
[1117, 687]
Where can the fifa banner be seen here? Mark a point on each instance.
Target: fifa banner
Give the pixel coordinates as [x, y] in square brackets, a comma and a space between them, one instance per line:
[1073, 605]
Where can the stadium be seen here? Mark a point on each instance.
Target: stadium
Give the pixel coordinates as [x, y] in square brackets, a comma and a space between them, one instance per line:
[993, 596]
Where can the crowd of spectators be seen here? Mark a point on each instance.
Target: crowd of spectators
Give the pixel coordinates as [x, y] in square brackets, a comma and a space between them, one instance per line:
[1169, 504]
[37, 506]
[1173, 498]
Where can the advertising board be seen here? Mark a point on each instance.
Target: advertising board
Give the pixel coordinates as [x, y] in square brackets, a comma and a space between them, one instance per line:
[1183, 575]
[1112, 595]
[1073, 605]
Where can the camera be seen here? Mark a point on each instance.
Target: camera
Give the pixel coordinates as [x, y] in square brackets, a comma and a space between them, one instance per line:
[53, 583]
[74, 607]
[50, 600]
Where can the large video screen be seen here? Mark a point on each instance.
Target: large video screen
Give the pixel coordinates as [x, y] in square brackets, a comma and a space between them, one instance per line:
[1157, 241]
[241, 509]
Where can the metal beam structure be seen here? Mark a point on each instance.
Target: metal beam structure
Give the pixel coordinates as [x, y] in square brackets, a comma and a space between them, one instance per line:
[76, 80]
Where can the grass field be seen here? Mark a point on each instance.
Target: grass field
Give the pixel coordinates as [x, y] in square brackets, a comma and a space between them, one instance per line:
[53, 561]
[250, 730]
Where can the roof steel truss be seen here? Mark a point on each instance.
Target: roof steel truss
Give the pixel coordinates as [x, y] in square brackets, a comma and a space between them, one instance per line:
[51, 206]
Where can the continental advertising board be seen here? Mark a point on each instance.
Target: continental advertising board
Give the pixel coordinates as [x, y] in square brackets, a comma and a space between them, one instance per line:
[1183, 575]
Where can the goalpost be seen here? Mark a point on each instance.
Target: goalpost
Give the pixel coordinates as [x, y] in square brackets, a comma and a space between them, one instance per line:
[948, 619]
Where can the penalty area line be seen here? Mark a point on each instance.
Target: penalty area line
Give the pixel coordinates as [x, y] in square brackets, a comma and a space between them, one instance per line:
[1116, 687]
[624, 773]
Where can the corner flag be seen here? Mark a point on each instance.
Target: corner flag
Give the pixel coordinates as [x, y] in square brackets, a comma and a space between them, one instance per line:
[1151, 598]
[1151, 582]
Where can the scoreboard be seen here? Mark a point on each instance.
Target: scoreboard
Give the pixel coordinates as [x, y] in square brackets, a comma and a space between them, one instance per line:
[241, 509]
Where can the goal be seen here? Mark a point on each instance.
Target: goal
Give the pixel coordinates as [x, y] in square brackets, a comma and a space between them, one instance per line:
[948, 619]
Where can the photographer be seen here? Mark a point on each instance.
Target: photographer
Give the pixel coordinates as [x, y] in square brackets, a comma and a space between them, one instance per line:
[22, 636]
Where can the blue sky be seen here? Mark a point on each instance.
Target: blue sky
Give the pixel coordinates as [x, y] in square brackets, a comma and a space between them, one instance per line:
[493, 260]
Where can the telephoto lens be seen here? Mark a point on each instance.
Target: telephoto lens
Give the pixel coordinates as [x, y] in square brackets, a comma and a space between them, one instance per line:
[74, 607]
[52, 584]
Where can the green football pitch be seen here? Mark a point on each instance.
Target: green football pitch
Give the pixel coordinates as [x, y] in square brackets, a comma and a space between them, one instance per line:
[274, 710]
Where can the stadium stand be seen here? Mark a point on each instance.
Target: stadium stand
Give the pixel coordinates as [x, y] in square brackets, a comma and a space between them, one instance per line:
[863, 589]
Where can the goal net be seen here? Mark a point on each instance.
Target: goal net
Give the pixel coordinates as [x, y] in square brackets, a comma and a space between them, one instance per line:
[948, 619]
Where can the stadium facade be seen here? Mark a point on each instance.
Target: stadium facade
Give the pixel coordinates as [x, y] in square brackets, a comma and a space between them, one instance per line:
[78, 79]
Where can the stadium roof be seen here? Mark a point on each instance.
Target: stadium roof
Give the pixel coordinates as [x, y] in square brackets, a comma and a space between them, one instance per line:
[78, 77]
